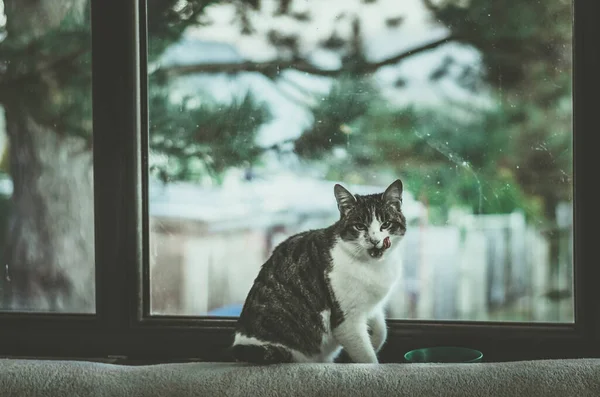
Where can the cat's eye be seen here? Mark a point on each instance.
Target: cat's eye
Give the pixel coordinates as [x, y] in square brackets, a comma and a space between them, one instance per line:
[359, 226]
[386, 225]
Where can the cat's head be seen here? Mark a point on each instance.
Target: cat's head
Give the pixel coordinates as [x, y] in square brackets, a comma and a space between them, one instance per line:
[366, 221]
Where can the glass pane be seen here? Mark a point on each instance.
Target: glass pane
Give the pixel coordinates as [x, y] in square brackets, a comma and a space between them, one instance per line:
[46, 186]
[258, 108]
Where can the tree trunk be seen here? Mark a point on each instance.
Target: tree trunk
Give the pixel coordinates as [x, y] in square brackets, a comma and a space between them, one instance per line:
[50, 242]
[31, 19]
[49, 263]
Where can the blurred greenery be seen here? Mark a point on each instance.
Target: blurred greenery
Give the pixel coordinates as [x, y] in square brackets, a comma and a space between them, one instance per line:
[527, 51]
[514, 155]
[348, 100]
[443, 162]
[517, 155]
[209, 139]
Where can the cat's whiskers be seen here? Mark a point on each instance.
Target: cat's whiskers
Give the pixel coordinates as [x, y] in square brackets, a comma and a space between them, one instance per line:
[354, 251]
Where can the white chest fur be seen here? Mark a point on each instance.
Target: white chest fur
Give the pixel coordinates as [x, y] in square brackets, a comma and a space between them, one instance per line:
[362, 284]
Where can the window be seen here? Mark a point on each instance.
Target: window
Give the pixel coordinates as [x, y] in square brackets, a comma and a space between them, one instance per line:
[259, 109]
[46, 198]
[216, 136]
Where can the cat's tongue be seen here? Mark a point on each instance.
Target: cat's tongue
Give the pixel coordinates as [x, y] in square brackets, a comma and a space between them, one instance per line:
[387, 243]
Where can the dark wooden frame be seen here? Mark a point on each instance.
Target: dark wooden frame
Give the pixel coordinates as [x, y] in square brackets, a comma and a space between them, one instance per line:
[122, 325]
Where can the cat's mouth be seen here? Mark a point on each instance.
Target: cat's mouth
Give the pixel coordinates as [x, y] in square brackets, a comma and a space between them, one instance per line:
[378, 252]
[375, 252]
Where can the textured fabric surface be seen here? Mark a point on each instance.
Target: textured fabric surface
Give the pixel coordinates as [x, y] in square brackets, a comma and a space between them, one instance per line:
[75, 378]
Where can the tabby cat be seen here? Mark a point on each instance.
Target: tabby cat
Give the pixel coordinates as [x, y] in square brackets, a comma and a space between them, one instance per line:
[324, 290]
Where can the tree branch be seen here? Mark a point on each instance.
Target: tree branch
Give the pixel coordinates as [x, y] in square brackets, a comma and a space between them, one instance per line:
[290, 97]
[430, 6]
[272, 68]
[297, 86]
[10, 79]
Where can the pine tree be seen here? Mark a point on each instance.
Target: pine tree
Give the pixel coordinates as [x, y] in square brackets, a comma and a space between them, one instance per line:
[45, 91]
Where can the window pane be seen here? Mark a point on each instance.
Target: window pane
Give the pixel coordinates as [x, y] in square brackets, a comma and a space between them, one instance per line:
[258, 108]
[46, 186]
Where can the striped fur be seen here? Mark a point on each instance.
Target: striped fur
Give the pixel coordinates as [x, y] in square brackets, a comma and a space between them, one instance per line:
[324, 290]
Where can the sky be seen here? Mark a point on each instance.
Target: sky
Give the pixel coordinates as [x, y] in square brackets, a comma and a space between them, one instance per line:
[221, 41]
[326, 18]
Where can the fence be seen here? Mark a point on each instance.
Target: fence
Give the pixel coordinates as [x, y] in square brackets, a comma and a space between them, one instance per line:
[486, 267]
[476, 267]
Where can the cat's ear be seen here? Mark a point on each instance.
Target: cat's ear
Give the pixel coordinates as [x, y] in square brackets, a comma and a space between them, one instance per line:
[393, 194]
[345, 199]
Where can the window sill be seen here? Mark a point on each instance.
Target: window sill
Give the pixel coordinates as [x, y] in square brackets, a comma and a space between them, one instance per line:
[579, 377]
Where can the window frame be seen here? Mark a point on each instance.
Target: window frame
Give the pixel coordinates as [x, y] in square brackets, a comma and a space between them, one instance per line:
[122, 326]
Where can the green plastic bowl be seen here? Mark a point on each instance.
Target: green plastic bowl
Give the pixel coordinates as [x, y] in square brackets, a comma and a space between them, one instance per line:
[444, 354]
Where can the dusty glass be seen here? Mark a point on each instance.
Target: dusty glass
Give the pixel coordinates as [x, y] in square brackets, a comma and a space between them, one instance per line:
[258, 108]
[46, 180]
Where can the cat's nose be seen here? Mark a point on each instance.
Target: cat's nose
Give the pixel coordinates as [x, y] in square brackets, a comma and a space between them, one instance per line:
[376, 243]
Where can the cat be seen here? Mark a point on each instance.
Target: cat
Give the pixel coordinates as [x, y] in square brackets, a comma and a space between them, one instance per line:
[324, 290]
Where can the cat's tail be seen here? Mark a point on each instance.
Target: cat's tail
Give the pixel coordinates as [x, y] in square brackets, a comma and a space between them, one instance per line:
[261, 354]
